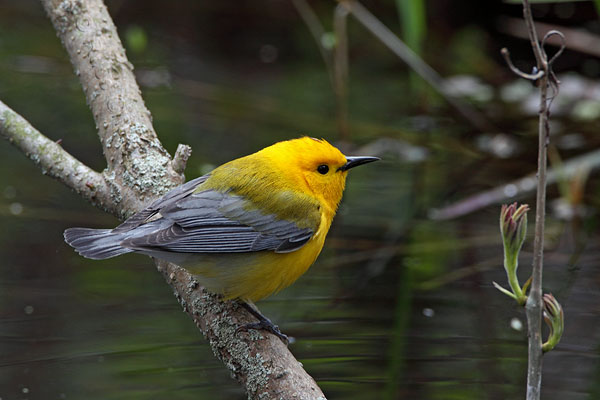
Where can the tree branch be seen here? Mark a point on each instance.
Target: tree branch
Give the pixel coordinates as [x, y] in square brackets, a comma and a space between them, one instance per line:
[54, 161]
[180, 158]
[259, 361]
[139, 170]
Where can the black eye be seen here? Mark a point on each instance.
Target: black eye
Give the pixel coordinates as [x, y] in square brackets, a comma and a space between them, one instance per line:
[323, 169]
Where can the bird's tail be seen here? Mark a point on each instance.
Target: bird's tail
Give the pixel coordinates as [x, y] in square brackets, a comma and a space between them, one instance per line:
[96, 244]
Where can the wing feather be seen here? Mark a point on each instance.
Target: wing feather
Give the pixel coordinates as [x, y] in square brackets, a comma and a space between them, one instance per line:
[214, 222]
[170, 198]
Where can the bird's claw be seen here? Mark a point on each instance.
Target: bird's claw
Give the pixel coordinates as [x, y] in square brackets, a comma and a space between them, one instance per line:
[265, 326]
[263, 323]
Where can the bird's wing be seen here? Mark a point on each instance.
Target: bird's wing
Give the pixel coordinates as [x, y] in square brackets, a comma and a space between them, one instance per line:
[215, 222]
[168, 199]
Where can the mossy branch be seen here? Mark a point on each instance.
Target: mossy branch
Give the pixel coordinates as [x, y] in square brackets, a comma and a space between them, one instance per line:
[54, 161]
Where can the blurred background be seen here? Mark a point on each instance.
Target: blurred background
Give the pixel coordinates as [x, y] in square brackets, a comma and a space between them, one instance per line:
[400, 303]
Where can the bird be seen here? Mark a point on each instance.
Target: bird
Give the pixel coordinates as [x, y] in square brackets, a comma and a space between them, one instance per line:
[245, 230]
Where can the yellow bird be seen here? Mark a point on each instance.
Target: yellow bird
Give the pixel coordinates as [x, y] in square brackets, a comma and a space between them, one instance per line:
[246, 230]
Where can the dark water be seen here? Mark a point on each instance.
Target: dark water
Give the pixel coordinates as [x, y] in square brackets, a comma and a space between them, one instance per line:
[397, 305]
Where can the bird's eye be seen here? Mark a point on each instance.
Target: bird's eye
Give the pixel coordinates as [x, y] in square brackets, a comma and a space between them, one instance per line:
[323, 169]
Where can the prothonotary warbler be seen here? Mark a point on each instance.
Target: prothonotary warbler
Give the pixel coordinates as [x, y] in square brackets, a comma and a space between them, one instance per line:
[245, 230]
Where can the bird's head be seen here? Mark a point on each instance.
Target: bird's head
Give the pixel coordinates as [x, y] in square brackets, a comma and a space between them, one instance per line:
[316, 167]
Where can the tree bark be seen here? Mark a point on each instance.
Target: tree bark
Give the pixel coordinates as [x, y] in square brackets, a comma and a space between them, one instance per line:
[138, 167]
[54, 161]
[139, 170]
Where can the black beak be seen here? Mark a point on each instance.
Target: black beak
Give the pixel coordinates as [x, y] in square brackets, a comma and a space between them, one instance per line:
[352, 162]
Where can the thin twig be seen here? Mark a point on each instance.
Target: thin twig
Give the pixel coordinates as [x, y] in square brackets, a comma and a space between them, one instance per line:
[562, 44]
[552, 79]
[533, 307]
[532, 77]
[533, 38]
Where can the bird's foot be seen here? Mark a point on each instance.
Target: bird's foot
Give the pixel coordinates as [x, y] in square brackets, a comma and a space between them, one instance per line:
[263, 323]
[265, 326]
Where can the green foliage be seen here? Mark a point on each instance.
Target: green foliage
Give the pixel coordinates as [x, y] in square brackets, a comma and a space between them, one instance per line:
[413, 24]
[136, 39]
[513, 227]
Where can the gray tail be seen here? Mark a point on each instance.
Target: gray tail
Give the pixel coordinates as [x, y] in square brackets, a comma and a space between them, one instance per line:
[96, 244]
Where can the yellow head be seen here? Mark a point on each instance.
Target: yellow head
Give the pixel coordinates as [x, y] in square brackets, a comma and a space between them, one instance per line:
[314, 166]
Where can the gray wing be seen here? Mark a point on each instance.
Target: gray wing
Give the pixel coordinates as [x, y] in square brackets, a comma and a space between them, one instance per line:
[215, 222]
[168, 199]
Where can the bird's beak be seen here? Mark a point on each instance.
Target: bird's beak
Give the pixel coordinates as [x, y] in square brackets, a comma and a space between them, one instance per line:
[352, 162]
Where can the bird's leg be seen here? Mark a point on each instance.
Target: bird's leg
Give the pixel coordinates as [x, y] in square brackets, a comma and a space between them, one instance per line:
[263, 323]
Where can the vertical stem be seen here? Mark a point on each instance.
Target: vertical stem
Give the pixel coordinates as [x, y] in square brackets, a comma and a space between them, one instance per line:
[535, 43]
[340, 70]
[413, 23]
[533, 307]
